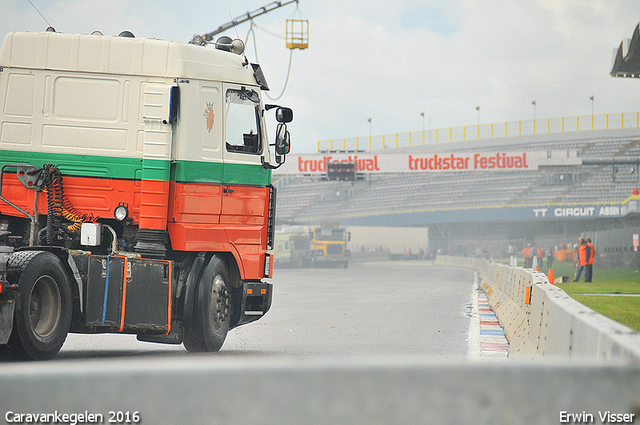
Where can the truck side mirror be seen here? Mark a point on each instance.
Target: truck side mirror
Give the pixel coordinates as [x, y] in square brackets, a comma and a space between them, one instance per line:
[283, 144]
[284, 115]
[283, 140]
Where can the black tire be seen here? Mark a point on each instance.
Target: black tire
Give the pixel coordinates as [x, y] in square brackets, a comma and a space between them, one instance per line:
[43, 309]
[212, 313]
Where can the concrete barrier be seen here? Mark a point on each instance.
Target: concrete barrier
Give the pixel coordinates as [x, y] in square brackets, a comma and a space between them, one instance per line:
[212, 389]
[541, 320]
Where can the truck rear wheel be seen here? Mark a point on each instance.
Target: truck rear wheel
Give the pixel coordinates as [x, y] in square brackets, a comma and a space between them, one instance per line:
[43, 308]
[212, 310]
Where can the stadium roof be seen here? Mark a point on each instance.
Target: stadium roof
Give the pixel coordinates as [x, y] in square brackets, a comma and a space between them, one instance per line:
[626, 62]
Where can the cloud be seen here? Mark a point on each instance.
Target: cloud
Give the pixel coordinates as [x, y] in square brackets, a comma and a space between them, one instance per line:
[390, 61]
[503, 55]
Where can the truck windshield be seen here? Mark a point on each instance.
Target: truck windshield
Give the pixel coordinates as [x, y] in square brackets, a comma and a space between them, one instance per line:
[330, 234]
[242, 121]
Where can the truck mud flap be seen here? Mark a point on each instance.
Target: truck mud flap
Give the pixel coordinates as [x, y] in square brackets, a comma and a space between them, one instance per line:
[7, 304]
[6, 319]
[191, 288]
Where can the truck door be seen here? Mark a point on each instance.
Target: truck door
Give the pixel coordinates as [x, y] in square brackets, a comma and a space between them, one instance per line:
[246, 191]
[156, 156]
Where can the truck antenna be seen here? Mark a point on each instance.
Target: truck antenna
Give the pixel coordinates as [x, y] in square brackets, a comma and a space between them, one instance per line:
[45, 19]
[235, 27]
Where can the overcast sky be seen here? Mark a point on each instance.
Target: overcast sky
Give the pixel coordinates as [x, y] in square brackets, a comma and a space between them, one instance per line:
[390, 61]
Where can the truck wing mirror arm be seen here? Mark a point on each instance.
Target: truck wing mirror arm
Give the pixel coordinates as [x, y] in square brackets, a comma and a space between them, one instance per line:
[268, 166]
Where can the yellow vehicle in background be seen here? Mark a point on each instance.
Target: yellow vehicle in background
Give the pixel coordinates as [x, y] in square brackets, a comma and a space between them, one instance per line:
[328, 246]
[291, 248]
[315, 246]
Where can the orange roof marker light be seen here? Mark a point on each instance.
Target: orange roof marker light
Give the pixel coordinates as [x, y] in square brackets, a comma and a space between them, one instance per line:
[297, 31]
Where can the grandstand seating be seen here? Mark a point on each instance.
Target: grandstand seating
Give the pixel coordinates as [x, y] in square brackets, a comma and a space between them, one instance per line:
[306, 198]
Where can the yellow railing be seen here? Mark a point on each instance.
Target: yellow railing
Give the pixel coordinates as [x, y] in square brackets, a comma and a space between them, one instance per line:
[485, 131]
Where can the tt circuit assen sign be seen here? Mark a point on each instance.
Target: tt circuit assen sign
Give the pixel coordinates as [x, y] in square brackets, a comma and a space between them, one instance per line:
[582, 211]
[412, 163]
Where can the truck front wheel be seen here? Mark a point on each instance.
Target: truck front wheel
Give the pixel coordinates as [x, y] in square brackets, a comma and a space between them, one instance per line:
[212, 310]
[43, 309]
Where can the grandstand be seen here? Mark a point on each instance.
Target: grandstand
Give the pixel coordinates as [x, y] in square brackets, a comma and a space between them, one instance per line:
[556, 200]
[307, 198]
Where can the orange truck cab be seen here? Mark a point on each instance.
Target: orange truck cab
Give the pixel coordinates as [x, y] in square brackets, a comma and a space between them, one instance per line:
[135, 190]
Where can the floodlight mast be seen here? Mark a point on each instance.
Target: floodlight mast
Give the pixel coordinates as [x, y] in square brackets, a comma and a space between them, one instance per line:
[246, 17]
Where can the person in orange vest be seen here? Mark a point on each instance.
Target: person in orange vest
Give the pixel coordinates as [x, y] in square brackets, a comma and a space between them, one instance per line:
[588, 271]
[526, 252]
[540, 256]
[583, 258]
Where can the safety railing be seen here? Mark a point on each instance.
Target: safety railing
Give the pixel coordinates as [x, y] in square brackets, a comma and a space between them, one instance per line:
[485, 131]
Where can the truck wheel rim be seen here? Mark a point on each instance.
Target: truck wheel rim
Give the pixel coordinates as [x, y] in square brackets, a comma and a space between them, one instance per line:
[219, 303]
[44, 306]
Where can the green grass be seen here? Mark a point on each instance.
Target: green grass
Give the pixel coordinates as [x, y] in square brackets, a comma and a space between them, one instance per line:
[616, 280]
[625, 310]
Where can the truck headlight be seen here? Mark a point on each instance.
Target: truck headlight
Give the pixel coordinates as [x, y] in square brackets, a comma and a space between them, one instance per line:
[121, 212]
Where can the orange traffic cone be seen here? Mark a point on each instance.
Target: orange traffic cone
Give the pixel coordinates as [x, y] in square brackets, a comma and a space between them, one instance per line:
[551, 279]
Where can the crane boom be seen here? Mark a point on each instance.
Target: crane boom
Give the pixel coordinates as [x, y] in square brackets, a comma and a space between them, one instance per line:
[246, 17]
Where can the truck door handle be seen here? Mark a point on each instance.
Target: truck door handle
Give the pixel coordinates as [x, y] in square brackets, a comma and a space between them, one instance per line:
[225, 190]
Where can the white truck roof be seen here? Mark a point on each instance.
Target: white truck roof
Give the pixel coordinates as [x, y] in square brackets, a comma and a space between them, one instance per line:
[121, 55]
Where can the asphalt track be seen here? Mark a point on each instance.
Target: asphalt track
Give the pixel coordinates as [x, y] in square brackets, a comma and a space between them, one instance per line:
[371, 309]
[383, 343]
